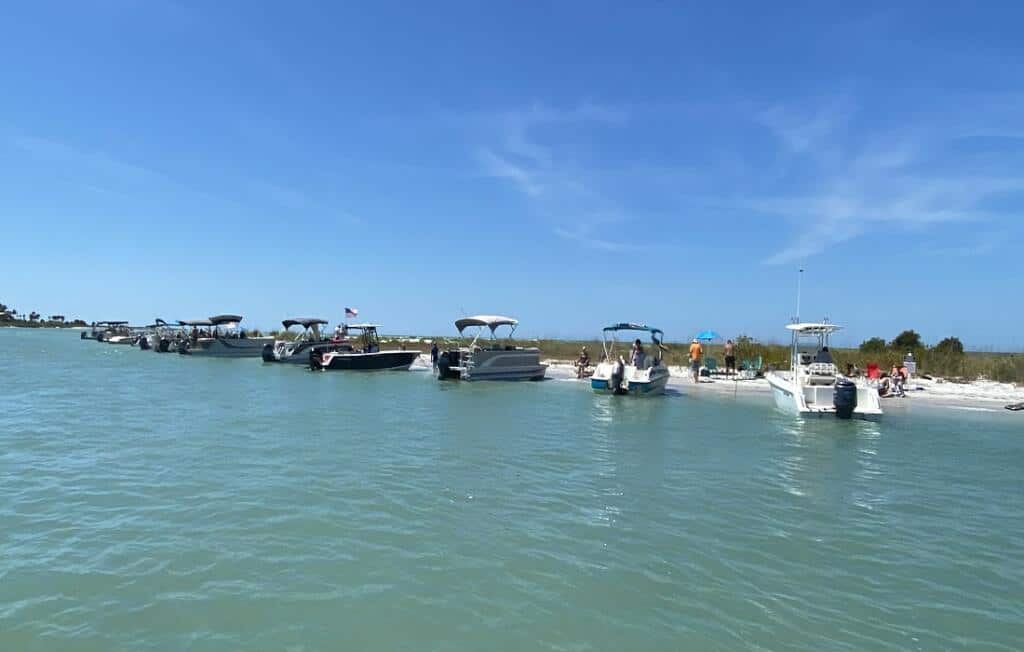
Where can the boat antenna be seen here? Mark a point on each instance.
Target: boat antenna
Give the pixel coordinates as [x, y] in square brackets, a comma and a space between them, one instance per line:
[799, 282]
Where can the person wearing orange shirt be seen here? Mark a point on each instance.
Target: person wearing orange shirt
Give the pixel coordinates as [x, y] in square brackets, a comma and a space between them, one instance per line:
[696, 354]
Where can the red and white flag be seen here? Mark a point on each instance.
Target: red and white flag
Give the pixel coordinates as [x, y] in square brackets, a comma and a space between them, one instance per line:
[351, 312]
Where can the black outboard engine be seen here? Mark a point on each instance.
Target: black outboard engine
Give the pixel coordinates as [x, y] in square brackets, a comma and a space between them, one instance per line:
[445, 362]
[844, 398]
[143, 342]
[268, 352]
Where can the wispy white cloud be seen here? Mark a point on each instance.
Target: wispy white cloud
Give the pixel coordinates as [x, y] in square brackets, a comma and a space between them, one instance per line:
[500, 167]
[581, 235]
[96, 161]
[860, 186]
[834, 171]
[545, 174]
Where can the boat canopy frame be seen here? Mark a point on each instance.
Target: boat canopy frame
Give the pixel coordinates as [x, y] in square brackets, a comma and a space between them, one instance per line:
[609, 339]
[305, 322]
[489, 322]
[368, 336]
[808, 331]
[220, 320]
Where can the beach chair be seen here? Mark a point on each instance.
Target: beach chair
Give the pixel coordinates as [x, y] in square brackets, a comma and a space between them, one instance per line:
[710, 367]
[752, 368]
[873, 372]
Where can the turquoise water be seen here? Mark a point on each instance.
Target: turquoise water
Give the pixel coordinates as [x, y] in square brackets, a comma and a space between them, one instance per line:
[157, 502]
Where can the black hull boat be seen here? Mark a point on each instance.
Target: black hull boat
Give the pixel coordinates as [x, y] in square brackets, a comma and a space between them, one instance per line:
[367, 356]
[358, 361]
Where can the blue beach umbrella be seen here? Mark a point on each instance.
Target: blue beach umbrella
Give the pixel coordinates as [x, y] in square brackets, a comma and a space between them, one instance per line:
[706, 336]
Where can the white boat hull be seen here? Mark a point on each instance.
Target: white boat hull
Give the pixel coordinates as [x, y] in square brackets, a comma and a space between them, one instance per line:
[635, 382]
[792, 399]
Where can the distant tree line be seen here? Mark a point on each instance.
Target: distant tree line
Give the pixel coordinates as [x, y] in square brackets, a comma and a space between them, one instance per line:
[910, 341]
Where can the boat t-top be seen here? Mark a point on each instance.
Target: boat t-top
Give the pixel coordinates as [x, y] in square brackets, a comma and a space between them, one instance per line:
[361, 352]
[642, 374]
[221, 338]
[490, 359]
[814, 386]
[116, 332]
[149, 338]
[99, 328]
[297, 351]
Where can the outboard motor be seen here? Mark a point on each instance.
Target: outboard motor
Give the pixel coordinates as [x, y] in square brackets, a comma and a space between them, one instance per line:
[268, 352]
[844, 398]
[445, 362]
[316, 359]
[618, 375]
[144, 343]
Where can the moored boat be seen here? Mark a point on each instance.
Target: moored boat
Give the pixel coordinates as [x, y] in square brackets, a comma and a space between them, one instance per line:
[117, 332]
[491, 360]
[222, 339]
[813, 387]
[644, 374]
[298, 350]
[363, 353]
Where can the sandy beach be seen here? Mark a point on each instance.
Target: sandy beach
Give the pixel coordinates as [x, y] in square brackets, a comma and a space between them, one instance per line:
[980, 394]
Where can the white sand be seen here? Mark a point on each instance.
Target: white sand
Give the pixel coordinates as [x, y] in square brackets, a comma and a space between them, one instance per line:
[980, 394]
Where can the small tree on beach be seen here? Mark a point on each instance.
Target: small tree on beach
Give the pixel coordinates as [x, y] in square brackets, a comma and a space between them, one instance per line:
[873, 345]
[950, 346]
[907, 340]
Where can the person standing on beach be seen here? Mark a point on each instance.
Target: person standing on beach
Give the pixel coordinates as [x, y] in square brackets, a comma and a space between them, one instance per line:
[730, 358]
[434, 354]
[696, 354]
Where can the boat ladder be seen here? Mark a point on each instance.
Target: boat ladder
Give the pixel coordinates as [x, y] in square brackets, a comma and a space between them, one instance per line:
[467, 364]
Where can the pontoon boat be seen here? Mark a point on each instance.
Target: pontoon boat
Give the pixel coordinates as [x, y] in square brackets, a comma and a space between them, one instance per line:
[491, 360]
[644, 376]
[117, 332]
[814, 387]
[297, 351]
[223, 339]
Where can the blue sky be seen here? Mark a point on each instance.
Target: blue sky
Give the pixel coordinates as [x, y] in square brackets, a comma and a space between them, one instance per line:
[569, 163]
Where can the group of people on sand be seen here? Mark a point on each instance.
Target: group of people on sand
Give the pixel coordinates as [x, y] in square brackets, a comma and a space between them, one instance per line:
[894, 383]
[638, 357]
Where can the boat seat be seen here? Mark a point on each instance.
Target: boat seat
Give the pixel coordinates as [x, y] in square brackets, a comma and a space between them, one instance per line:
[821, 373]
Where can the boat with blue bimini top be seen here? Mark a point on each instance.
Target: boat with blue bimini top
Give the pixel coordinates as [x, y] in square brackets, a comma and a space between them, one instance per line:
[644, 374]
[298, 350]
[492, 360]
[221, 338]
[814, 387]
[362, 353]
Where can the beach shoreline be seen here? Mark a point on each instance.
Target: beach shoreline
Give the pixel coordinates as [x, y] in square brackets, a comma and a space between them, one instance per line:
[980, 394]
